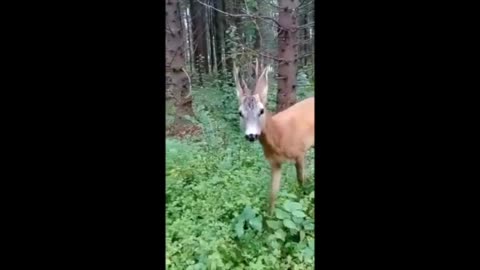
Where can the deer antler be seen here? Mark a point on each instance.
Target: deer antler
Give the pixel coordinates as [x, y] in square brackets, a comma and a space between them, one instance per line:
[242, 88]
[245, 87]
[235, 76]
[259, 67]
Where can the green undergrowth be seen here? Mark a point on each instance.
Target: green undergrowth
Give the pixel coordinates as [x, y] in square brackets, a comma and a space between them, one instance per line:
[217, 189]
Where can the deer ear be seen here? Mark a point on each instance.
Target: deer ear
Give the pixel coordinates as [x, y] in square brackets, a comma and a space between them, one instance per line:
[262, 85]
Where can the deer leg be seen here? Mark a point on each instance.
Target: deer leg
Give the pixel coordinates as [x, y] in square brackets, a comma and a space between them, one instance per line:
[300, 166]
[276, 175]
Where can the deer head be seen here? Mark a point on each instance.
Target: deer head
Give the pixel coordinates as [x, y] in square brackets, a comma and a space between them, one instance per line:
[252, 104]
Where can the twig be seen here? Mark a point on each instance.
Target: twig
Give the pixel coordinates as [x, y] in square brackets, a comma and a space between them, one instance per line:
[305, 41]
[256, 25]
[306, 25]
[305, 55]
[259, 53]
[303, 2]
[268, 2]
[243, 15]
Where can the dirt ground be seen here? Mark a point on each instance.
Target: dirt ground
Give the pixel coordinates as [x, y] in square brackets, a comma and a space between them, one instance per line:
[183, 130]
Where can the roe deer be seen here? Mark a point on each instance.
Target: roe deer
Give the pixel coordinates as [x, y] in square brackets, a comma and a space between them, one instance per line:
[285, 136]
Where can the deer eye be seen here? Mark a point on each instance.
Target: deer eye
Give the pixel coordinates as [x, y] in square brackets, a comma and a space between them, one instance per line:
[261, 111]
[240, 113]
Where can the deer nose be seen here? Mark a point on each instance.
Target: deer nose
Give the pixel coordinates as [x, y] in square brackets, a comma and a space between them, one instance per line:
[251, 137]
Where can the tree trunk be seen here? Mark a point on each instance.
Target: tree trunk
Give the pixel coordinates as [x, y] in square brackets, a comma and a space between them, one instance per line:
[312, 34]
[199, 14]
[234, 8]
[178, 84]
[287, 53]
[268, 46]
[257, 45]
[211, 32]
[305, 39]
[219, 34]
[190, 39]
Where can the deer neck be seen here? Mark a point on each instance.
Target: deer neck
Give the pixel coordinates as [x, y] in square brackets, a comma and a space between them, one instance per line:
[269, 138]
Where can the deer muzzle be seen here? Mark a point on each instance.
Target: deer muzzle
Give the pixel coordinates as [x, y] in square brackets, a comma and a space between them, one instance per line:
[251, 137]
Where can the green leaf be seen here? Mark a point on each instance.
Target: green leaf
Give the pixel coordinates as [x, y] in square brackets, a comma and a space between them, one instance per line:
[298, 213]
[274, 224]
[256, 223]
[239, 228]
[280, 234]
[308, 252]
[309, 226]
[298, 220]
[311, 243]
[275, 245]
[302, 235]
[248, 213]
[279, 213]
[257, 265]
[277, 253]
[199, 266]
[290, 195]
[289, 224]
[292, 206]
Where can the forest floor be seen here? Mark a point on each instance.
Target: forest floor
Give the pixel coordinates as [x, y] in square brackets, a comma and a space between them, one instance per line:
[217, 187]
[181, 131]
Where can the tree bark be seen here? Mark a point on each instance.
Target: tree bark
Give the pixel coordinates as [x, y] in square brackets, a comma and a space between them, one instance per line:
[219, 34]
[305, 39]
[190, 39]
[233, 7]
[312, 34]
[199, 15]
[257, 45]
[268, 46]
[211, 38]
[287, 53]
[178, 84]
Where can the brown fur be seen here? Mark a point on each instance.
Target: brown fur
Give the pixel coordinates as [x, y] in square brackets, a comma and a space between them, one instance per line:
[290, 133]
[285, 136]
